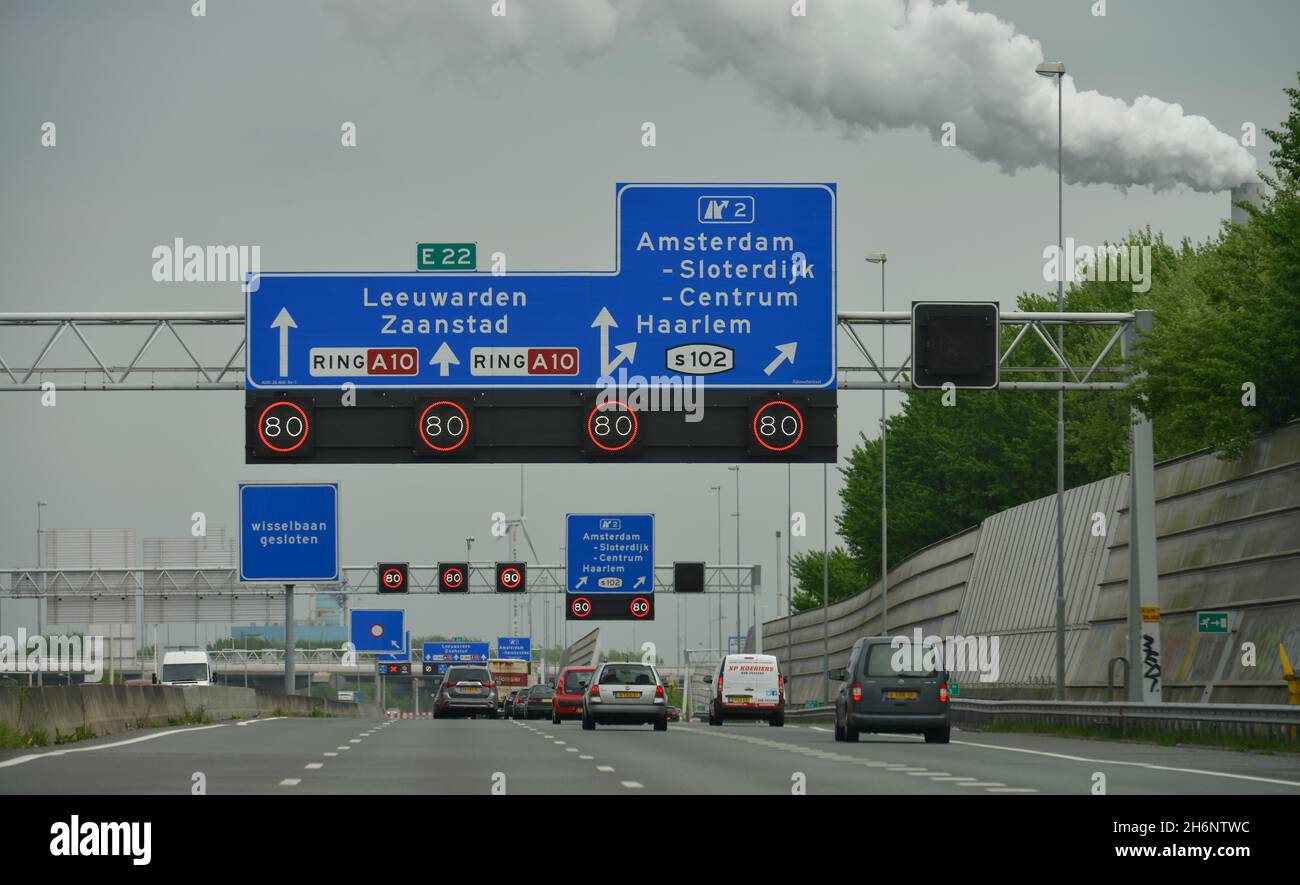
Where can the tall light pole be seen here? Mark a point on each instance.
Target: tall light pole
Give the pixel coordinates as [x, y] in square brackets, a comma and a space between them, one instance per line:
[40, 600]
[1057, 70]
[737, 515]
[469, 546]
[880, 258]
[718, 490]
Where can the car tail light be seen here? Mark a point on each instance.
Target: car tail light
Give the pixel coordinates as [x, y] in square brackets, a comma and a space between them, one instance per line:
[595, 690]
[450, 684]
[489, 685]
[857, 691]
[943, 692]
[659, 691]
[719, 685]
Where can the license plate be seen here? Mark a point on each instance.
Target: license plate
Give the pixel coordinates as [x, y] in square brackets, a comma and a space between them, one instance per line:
[738, 699]
[544, 700]
[627, 694]
[901, 695]
[470, 690]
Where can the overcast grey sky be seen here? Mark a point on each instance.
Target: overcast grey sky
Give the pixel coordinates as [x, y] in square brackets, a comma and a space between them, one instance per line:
[224, 129]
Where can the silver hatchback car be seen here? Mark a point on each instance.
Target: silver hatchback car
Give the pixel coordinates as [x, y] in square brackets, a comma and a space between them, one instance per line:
[625, 693]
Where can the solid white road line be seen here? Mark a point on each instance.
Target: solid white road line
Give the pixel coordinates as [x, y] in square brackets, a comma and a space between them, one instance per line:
[19, 760]
[1150, 765]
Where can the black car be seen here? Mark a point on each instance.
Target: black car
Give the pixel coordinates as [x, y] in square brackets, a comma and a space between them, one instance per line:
[508, 705]
[534, 702]
[466, 691]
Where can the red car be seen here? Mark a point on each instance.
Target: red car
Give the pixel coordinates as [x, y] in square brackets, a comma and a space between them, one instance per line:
[569, 688]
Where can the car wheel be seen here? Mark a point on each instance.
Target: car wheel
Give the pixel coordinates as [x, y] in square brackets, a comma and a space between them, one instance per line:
[939, 735]
[661, 724]
[839, 729]
[588, 722]
[777, 721]
[555, 718]
[714, 718]
[850, 733]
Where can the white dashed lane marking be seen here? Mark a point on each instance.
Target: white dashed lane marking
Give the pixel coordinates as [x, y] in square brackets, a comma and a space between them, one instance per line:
[291, 782]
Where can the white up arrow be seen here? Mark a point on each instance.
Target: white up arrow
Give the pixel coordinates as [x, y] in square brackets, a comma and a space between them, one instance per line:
[444, 359]
[284, 323]
[625, 351]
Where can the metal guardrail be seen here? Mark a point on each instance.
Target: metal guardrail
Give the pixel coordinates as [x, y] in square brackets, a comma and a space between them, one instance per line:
[1226, 718]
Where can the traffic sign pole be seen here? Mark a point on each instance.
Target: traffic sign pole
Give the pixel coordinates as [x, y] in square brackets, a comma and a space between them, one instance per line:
[290, 678]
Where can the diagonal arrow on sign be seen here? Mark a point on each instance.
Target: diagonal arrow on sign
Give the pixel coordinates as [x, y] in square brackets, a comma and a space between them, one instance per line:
[605, 321]
[785, 353]
[284, 322]
[444, 359]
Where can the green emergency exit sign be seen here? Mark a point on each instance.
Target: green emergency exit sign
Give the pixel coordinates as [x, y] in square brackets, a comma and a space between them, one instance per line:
[1211, 622]
[446, 256]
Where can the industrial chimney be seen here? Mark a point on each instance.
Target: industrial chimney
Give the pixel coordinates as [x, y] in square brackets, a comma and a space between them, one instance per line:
[1251, 192]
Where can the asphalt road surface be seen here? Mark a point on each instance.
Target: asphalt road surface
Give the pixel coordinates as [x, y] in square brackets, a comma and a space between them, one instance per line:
[423, 756]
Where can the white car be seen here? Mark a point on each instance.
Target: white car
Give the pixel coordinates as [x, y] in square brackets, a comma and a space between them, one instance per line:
[748, 687]
[625, 693]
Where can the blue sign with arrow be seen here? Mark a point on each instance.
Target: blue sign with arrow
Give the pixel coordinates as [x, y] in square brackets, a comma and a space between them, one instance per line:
[732, 283]
[610, 553]
[379, 630]
[515, 648]
[403, 655]
[288, 533]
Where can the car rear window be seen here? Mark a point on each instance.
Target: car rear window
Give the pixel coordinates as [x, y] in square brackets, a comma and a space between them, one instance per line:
[469, 674]
[575, 683]
[627, 674]
[541, 692]
[880, 662]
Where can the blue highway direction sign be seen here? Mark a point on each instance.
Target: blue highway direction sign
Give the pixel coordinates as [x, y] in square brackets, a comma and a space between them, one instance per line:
[288, 533]
[734, 283]
[518, 648]
[403, 655]
[610, 553]
[378, 630]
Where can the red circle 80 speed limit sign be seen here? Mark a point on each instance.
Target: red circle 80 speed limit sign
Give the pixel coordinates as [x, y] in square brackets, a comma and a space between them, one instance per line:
[639, 606]
[580, 606]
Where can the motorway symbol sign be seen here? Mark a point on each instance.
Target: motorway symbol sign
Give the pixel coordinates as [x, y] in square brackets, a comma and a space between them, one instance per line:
[288, 533]
[1211, 622]
[516, 648]
[378, 630]
[733, 283]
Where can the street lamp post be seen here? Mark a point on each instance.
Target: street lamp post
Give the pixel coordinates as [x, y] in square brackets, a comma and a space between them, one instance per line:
[737, 515]
[718, 490]
[880, 258]
[40, 600]
[1057, 70]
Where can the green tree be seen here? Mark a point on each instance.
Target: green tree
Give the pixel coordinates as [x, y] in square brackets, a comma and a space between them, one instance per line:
[1228, 322]
[845, 578]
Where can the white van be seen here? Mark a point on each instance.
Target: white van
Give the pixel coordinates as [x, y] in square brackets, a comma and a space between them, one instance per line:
[748, 687]
[186, 668]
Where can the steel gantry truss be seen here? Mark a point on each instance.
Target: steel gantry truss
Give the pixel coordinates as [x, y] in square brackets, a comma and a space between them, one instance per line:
[1027, 323]
[116, 346]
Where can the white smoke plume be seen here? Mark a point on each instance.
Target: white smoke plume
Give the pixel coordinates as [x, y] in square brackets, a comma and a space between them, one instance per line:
[864, 65]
